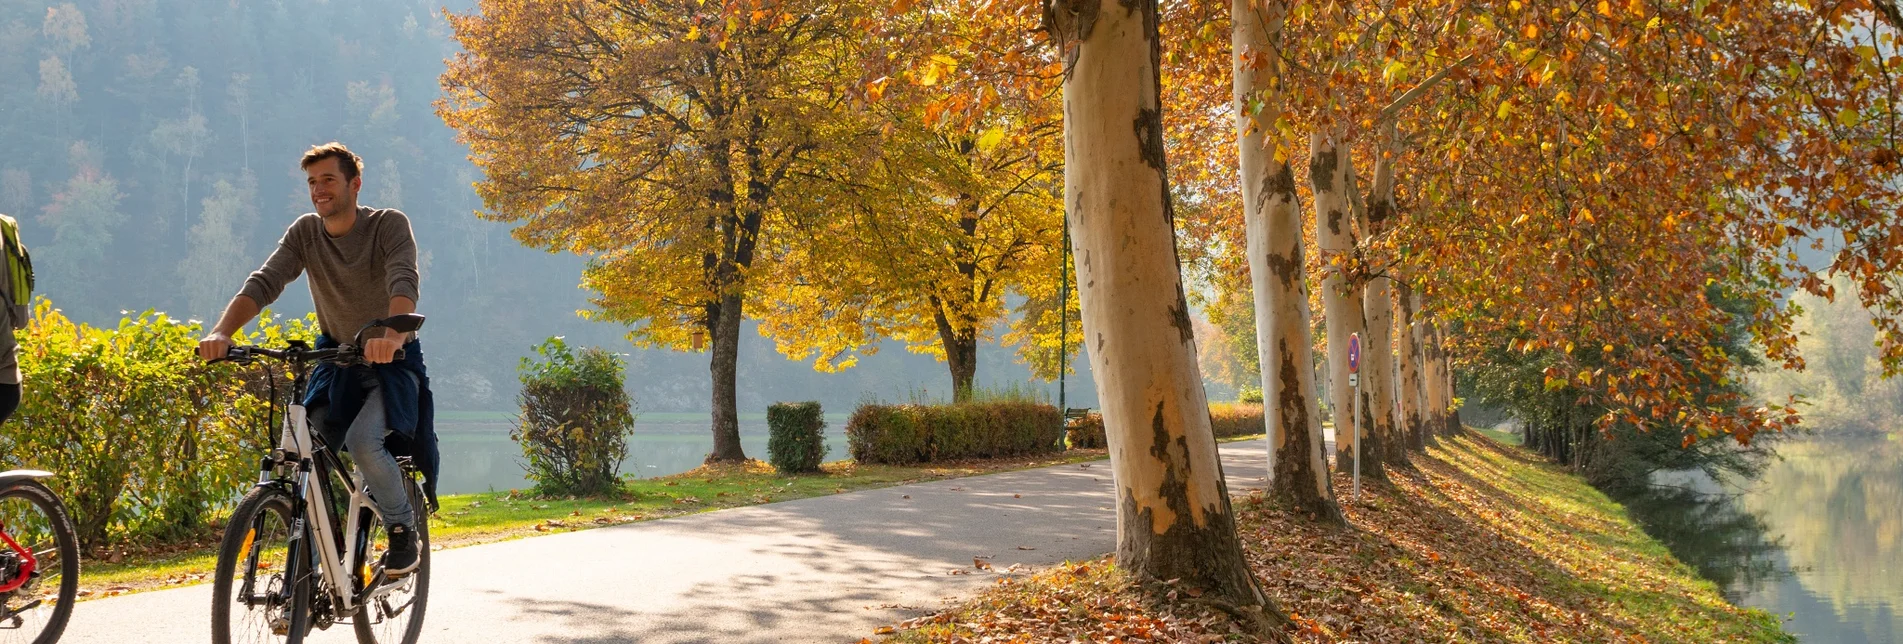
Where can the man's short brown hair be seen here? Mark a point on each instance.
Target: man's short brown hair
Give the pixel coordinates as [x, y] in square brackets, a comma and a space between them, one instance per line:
[351, 164]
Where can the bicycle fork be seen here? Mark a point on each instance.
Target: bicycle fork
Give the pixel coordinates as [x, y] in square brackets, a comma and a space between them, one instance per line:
[28, 564]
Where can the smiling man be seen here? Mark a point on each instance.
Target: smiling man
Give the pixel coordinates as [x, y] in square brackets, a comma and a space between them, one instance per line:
[362, 265]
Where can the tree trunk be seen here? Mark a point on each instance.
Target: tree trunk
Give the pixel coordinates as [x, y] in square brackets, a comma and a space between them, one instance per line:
[961, 341]
[1377, 352]
[725, 363]
[1298, 470]
[1330, 179]
[961, 354]
[1174, 520]
[1440, 382]
[1410, 397]
[1450, 423]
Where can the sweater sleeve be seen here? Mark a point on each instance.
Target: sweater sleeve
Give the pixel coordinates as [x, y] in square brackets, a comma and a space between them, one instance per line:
[399, 256]
[284, 266]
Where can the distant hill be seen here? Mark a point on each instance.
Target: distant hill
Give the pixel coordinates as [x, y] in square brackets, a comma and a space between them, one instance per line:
[151, 153]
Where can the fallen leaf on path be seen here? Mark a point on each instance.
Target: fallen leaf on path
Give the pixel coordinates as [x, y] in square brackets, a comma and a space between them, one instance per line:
[1026, 548]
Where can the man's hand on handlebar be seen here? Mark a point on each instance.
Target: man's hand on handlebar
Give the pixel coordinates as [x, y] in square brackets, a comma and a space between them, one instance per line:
[380, 350]
[214, 347]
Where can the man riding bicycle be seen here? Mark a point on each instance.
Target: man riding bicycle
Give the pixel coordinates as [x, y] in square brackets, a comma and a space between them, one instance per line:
[362, 266]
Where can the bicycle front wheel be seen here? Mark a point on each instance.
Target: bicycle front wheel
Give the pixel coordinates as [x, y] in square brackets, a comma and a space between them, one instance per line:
[35, 611]
[262, 594]
[392, 610]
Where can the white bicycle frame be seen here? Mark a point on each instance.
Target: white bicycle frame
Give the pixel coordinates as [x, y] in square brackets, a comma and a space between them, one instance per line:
[331, 565]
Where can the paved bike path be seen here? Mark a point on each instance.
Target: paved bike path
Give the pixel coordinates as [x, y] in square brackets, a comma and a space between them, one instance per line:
[823, 569]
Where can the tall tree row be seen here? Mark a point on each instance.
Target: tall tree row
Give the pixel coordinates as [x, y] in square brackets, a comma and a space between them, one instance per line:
[1174, 518]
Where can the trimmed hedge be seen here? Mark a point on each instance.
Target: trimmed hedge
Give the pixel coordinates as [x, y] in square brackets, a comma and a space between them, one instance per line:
[1225, 421]
[902, 434]
[1239, 419]
[796, 443]
[1086, 432]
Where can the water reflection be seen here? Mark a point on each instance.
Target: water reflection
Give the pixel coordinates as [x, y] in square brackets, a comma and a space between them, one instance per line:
[1817, 539]
[1711, 532]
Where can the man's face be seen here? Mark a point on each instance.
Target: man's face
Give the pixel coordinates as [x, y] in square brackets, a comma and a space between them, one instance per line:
[331, 194]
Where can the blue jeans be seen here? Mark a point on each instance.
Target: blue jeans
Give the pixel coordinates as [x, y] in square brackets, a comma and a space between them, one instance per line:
[389, 488]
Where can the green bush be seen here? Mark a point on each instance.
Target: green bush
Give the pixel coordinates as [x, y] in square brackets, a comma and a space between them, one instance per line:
[797, 440]
[902, 434]
[1249, 395]
[1240, 419]
[1086, 432]
[149, 443]
[576, 419]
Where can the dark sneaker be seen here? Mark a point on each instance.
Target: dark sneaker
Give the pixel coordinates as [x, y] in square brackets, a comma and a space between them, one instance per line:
[401, 558]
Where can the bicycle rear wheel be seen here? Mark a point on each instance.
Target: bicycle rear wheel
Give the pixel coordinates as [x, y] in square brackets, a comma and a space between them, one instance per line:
[36, 612]
[263, 589]
[392, 612]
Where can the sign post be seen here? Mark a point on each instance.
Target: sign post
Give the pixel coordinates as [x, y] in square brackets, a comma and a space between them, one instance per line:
[1354, 422]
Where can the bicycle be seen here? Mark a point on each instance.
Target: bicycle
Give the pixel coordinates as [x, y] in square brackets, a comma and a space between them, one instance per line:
[39, 560]
[283, 559]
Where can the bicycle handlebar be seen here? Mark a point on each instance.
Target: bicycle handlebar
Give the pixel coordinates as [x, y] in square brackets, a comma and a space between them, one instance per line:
[347, 354]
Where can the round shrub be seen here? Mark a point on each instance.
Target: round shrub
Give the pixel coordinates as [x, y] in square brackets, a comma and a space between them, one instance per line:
[576, 419]
[796, 443]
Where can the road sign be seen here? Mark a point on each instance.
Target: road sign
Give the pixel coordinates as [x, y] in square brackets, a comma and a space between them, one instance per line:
[1354, 380]
[1354, 352]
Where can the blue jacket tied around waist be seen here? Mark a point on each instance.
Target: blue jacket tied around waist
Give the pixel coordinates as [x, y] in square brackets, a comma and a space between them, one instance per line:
[408, 406]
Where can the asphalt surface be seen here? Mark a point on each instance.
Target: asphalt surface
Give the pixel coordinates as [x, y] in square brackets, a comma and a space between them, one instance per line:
[824, 569]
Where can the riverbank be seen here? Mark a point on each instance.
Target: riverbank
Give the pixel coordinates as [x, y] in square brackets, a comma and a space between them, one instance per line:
[1482, 543]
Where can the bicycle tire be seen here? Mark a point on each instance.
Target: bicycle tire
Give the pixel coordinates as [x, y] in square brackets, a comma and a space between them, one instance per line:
[413, 630]
[241, 545]
[67, 543]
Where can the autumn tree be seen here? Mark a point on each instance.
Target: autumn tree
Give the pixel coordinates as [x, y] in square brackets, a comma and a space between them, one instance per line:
[1175, 521]
[662, 141]
[958, 214]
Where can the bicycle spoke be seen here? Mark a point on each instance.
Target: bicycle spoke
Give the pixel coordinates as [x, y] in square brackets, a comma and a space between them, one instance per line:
[260, 600]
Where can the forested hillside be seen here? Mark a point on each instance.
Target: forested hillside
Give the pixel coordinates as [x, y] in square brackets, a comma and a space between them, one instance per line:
[151, 154]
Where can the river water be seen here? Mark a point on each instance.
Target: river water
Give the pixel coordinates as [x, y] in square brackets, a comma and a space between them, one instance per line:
[1817, 540]
[478, 455]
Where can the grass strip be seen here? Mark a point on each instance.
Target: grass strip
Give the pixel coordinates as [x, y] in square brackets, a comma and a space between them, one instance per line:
[1478, 542]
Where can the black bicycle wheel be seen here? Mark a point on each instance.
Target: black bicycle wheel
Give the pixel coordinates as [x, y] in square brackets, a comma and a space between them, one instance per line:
[36, 611]
[263, 589]
[393, 611]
